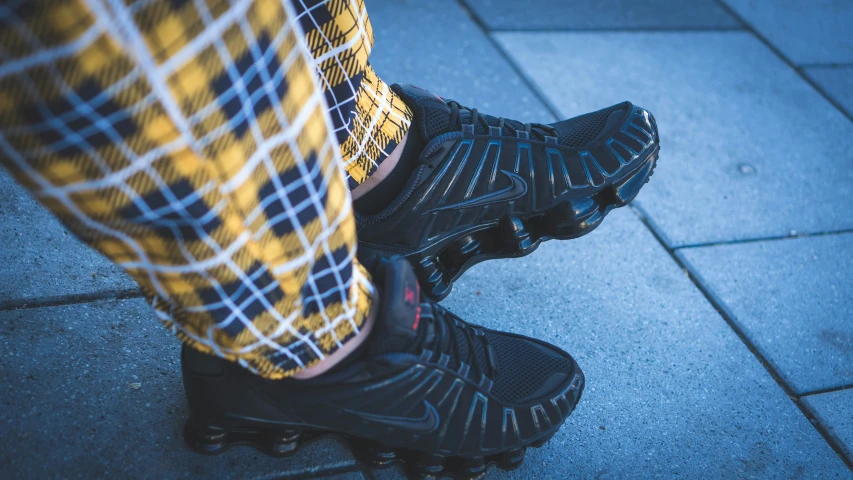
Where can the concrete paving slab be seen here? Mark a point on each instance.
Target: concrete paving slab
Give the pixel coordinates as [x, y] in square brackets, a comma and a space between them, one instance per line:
[805, 31]
[671, 390]
[834, 410]
[67, 408]
[601, 14]
[749, 149]
[437, 46]
[793, 298]
[41, 260]
[837, 82]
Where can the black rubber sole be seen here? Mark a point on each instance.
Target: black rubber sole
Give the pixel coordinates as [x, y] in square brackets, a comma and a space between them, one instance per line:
[515, 236]
[282, 442]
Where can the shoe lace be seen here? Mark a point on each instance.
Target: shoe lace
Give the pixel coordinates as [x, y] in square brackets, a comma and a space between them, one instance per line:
[537, 130]
[447, 335]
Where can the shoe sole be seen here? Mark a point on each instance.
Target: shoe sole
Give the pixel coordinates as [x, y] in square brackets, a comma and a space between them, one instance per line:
[515, 236]
[283, 441]
[210, 440]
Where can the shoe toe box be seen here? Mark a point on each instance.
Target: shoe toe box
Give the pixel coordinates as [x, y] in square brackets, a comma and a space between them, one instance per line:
[528, 370]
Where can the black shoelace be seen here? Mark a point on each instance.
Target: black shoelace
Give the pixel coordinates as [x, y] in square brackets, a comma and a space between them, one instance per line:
[444, 337]
[533, 129]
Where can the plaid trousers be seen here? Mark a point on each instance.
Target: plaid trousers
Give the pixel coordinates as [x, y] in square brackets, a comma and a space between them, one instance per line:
[208, 148]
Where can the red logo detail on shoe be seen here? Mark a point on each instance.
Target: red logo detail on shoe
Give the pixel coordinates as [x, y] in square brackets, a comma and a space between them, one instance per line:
[417, 318]
[410, 296]
[427, 91]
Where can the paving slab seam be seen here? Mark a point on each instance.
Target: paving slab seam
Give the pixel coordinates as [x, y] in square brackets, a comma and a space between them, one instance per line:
[762, 239]
[546, 102]
[73, 299]
[830, 65]
[799, 69]
[827, 390]
[814, 411]
[614, 29]
[723, 311]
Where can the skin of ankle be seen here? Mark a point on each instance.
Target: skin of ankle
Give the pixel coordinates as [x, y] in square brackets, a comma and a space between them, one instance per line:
[382, 171]
[341, 353]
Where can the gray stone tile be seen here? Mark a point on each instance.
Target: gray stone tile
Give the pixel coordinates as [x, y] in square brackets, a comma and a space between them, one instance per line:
[437, 46]
[671, 390]
[615, 14]
[67, 410]
[805, 31]
[834, 411]
[41, 260]
[793, 298]
[749, 149]
[837, 82]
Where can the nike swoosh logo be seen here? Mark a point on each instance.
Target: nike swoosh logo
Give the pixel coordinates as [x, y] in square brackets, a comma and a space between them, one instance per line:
[516, 189]
[423, 425]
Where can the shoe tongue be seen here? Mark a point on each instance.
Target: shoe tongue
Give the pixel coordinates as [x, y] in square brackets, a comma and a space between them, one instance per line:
[475, 347]
[403, 319]
[432, 115]
[396, 327]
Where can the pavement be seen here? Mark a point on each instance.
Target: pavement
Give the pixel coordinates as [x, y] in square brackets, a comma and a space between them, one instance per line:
[713, 318]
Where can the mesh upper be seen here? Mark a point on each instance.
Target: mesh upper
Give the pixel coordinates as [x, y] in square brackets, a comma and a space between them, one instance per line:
[523, 366]
[579, 131]
[435, 121]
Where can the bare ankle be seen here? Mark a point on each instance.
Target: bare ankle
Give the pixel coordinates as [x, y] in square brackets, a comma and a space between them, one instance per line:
[382, 171]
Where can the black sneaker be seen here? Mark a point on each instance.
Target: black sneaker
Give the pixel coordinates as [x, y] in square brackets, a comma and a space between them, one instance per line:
[488, 187]
[432, 391]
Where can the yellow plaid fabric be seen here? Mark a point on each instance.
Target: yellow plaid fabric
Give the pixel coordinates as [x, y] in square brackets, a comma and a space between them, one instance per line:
[369, 119]
[189, 142]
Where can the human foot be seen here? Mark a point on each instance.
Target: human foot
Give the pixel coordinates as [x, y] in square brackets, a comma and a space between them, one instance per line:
[485, 187]
[432, 391]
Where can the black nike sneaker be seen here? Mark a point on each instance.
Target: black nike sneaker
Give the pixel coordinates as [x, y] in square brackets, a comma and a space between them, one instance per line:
[488, 187]
[432, 391]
